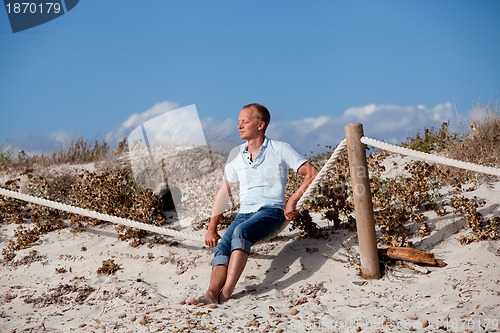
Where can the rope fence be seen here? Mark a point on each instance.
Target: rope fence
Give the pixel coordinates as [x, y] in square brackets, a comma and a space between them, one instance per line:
[100, 216]
[322, 173]
[310, 189]
[148, 227]
[307, 194]
[430, 157]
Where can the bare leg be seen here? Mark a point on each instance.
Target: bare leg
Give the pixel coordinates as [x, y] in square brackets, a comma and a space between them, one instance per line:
[237, 262]
[217, 280]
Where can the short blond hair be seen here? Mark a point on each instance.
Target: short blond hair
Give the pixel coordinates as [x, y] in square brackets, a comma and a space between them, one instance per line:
[261, 113]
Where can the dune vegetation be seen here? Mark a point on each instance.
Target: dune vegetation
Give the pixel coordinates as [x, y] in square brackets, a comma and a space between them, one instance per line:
[400, 200]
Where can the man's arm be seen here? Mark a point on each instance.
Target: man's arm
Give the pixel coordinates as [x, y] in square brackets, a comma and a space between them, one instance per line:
[220, 203]
[309, 172]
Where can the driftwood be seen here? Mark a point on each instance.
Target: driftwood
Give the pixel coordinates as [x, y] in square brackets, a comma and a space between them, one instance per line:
[412, 255]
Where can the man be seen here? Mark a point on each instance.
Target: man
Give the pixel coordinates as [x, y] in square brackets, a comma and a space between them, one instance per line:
[261, 168]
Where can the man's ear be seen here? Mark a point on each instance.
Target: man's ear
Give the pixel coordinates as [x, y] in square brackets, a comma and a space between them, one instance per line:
[261, 125]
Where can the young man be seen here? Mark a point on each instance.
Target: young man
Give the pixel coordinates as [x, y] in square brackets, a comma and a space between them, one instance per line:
[261, 167]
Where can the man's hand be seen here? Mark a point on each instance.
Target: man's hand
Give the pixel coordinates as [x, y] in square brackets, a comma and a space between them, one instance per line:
[211, 238]
[221, 199]
[290, 212]
[309, 172]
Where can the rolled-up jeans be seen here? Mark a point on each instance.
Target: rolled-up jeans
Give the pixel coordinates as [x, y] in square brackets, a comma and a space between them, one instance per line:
[246, 230]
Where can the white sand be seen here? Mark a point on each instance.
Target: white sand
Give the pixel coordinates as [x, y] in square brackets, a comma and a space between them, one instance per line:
[288, 274]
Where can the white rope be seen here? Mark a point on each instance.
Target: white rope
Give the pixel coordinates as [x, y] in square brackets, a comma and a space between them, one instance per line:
[322, 173]
[310, 189]
[430, 157]
[100, 216]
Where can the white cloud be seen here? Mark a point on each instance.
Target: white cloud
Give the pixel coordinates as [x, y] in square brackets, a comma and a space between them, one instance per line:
[179, 127]
[37, 143]
[161, 124]
[390, 123]
[136, 119]
[312, 124]
[361, 111]
[62, 137]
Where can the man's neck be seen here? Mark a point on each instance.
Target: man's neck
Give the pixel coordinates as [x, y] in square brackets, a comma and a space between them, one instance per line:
[255, 144]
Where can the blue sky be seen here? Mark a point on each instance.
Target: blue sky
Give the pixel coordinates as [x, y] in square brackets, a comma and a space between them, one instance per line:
[405, 63]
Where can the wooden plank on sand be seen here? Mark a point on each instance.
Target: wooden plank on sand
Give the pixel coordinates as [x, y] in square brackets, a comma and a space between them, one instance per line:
[412, 255]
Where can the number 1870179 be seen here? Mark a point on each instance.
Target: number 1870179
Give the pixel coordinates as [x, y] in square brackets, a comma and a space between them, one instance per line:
[33, 8]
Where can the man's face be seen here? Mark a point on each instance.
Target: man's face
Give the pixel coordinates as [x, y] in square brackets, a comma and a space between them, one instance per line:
[248, 125]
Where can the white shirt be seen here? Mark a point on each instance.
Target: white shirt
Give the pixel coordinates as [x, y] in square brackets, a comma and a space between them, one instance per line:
[263, 181]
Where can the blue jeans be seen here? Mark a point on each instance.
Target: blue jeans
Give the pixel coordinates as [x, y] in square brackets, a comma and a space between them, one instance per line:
[246, 230]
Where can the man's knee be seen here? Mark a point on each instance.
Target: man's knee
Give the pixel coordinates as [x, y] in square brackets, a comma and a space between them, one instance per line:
[220, 260]
[240, 232]
[240, 244]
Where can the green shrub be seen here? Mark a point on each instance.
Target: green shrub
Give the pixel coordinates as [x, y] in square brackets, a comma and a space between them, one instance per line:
[432, 140]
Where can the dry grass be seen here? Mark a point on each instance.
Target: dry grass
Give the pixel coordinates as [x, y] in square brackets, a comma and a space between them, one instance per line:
[79, 151]
[482, 144]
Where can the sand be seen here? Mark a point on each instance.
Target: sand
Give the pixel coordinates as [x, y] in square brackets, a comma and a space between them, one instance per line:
[289, 285]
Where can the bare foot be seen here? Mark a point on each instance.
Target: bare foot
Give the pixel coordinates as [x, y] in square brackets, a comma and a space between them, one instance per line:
[201, 300]
[223, 297]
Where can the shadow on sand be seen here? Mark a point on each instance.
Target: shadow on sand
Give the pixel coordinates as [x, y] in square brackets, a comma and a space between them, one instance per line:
[312, 255]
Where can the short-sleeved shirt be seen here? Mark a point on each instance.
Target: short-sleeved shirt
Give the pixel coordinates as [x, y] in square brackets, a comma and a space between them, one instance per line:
[263, 180]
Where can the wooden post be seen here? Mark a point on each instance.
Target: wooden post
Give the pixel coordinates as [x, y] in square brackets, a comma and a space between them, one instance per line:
[363, 206]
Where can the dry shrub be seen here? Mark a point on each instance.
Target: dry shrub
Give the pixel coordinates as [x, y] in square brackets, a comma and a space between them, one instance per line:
[482, 229]
[481, 145]
[63, 294]
[401, 201]
[112, 192]
[332, 196]
[12, 209]
[108, 267]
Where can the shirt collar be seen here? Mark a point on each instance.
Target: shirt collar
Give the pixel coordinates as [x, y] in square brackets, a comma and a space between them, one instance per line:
[266, 141]
[264, 144]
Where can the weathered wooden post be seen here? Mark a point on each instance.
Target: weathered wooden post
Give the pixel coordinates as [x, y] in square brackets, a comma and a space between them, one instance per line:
[363, 206]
